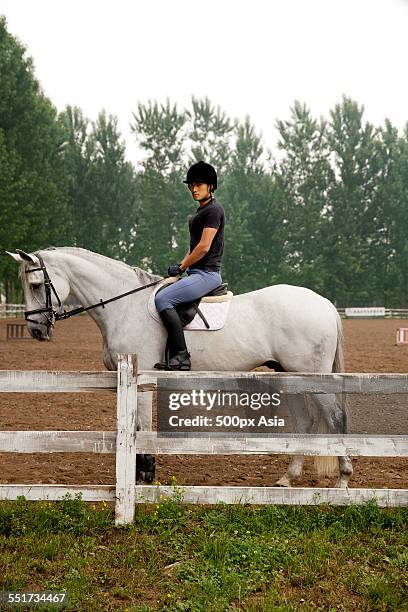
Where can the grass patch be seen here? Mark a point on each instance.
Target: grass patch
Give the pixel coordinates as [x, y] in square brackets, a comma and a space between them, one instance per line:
[176, 557]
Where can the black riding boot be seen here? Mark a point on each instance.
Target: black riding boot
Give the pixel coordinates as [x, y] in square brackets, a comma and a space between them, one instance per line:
[180, 359]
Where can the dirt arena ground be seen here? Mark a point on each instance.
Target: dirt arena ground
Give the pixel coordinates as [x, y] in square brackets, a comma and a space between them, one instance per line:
[370, 347]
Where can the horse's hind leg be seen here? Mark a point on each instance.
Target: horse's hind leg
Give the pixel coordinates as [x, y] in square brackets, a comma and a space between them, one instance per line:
[345, 465]
[346, 472]
[302, 423]
[334, 413]
[294, 472]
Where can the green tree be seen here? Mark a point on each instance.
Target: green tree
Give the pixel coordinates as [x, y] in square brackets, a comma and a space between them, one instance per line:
[390, 243]
[243, 200]
[76, 154]
[100, 182]
[160, 235]
[210, 132]
[305, 176]
[33, 205]
[356, 159]
[113, 189]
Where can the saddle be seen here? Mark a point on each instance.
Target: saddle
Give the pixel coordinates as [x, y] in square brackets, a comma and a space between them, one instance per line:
[188, 310]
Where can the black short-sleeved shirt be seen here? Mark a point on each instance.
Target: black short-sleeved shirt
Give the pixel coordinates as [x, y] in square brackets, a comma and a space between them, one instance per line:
[209, 215]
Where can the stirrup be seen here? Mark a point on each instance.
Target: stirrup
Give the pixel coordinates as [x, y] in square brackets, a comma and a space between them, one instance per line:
[179, 361]
[161, 365]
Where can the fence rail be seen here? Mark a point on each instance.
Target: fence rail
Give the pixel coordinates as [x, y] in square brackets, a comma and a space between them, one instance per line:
[11, 310]
[206, 444]
[212, 495]
[134, 398]
[390, 313]
[17, 310]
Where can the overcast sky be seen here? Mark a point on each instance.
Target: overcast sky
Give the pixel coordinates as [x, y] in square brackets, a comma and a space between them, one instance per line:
[249, 56]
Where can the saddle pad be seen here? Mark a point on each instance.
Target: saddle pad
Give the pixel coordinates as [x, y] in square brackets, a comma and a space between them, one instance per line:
[214, 308]
[215, 312]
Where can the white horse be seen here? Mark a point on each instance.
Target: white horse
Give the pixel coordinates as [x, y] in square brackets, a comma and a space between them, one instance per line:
[291, 327]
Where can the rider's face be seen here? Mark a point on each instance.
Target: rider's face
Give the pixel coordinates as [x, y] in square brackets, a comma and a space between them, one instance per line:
[199, 191]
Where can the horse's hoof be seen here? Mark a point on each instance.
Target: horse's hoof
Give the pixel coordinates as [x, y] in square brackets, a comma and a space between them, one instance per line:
[148, 477]
[283, 482]
[341, 484]
[145, 477]
[145, 468]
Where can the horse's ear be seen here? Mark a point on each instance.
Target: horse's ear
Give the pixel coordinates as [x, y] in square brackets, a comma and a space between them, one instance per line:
[27, 257]
[15, 256]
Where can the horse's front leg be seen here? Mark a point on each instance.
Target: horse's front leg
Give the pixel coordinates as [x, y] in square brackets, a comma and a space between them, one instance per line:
[145, 464]
[145, 468]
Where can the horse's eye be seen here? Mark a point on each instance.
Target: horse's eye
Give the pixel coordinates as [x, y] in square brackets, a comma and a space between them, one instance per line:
[35, 285]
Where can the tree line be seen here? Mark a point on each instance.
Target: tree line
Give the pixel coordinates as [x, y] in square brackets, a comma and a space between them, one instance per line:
[329, 212]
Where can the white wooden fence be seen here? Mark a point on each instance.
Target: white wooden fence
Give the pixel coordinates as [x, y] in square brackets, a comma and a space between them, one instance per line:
[11, 310]
[16, 310]
[390, 313]
[134, 392]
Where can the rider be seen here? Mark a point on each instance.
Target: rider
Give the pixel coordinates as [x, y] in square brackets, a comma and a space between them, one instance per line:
[202, 262]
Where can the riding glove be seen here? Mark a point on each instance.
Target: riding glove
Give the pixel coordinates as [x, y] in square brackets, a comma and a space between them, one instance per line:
[174, 270]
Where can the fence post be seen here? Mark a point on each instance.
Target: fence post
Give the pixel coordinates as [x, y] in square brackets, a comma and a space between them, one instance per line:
[126, 439]
[144, 410]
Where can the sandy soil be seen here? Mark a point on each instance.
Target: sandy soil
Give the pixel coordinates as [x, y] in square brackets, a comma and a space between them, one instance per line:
[370, 347]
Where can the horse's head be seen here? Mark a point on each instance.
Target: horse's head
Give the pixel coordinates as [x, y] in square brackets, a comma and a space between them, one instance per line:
[45, 289]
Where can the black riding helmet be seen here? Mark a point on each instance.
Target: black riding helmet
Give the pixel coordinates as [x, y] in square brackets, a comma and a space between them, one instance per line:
[201, 172]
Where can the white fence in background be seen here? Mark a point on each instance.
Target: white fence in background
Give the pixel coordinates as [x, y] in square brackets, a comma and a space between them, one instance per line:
[11, 310]
[17, 310]
[135, 390]
[373, 312]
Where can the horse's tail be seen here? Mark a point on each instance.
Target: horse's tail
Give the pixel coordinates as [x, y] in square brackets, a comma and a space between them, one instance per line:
[338, 363]
[328, 466]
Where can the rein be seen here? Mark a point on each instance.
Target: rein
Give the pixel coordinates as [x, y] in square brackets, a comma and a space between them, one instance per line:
[52, 315]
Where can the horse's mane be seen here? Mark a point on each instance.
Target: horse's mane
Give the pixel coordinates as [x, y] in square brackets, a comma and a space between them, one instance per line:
[143, 276]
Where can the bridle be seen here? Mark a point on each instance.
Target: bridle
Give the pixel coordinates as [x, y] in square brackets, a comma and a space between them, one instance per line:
[52, 315]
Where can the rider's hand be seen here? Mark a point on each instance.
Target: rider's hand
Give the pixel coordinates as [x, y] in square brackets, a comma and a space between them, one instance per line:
[174, 270]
